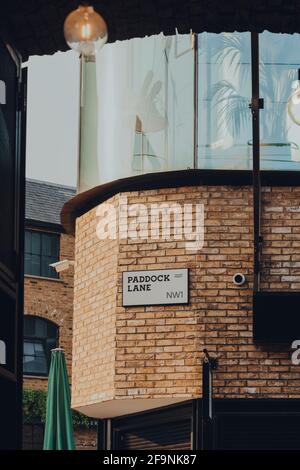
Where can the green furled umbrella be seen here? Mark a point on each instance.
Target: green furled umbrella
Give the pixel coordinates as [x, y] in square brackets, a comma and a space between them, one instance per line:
[59, 426]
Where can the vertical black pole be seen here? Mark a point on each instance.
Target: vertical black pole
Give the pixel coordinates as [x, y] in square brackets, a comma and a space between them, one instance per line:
[22, 117]
[256, 104]
[101, 444]
[207, 411]
[104, 434]
[196, 97]
[197, 424]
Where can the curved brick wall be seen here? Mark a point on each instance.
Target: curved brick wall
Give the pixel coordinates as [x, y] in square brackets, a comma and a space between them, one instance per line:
[153, 354]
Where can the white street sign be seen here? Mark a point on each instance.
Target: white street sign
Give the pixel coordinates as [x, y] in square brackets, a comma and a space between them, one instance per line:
[157, 287]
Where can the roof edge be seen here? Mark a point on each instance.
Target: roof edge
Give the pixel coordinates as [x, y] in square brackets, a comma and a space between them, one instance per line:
[83, 202]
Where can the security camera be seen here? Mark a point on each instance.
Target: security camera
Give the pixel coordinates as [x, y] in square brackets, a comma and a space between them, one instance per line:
[63, 265]
[239, 279]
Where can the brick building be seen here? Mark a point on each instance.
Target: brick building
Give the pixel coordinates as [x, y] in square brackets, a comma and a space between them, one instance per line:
[140, 367]
[217, 144]
[48, 299]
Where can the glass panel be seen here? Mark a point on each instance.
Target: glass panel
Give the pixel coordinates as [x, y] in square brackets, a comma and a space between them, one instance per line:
[225, 129]
[28, 348]
[40, 336]
[35, 243]
[38, 347]
[47, 270]
[40, 328]
[41, 250]
[29, 326]
[50, 243]
[280, 118]
[54, 249]
[27, 242]
[27, 264]
[35, 268]
[34, 361]
[46, 244]
[51, 331]
[50, 250]
[145, 114]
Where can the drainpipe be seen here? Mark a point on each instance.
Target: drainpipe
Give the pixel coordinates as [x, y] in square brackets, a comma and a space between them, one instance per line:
[257, 103]
[209, 364]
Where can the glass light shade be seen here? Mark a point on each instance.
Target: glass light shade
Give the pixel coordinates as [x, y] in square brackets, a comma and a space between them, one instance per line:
[85, 30]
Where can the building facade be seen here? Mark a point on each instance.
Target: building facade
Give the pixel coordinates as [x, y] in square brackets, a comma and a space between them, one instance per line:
[48, 306]
[44, 37]
[188, 152]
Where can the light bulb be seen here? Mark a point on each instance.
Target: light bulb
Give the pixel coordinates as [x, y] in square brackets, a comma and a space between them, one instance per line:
[85, 31]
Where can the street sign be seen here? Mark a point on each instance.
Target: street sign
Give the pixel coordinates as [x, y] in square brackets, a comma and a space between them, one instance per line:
[157, 287]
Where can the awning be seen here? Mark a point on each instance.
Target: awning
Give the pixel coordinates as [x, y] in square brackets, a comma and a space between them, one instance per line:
[58, 427]
[36, 26]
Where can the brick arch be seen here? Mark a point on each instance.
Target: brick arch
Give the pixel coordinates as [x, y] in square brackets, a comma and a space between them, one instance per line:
[42, 315]
[49, 321]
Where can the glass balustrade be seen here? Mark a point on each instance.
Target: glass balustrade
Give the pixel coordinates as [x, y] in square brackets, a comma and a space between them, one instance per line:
[145, 109]
[279, 86]
[224, 94]
[144, 101]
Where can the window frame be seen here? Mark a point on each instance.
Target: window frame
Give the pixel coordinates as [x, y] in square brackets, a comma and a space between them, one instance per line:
[55, 275]
[33, 339]
[32, 443]
[256, 103]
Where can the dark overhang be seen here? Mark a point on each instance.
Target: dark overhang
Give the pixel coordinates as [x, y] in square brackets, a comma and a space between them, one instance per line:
[36, 26]
[83, 202]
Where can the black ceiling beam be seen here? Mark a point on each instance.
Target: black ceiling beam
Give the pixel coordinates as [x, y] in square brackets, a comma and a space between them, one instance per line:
[36, 27]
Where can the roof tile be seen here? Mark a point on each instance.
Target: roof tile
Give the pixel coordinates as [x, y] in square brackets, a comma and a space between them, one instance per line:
[44, 200]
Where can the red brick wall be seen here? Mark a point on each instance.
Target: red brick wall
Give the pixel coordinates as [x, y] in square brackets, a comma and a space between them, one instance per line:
[86, 439]
[53, 299]
[281, 233]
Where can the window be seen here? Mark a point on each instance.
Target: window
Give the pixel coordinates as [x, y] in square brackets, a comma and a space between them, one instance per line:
[148, 125]
[41, 249]
[225, 122]
[183, 103]
[279, 65]
[40, 336]
[225, 126]
[33, 436]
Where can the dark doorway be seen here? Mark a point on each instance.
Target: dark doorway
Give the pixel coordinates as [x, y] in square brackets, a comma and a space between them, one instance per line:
[168, 428]
[257, 424]
[12, 156]
[238, 424]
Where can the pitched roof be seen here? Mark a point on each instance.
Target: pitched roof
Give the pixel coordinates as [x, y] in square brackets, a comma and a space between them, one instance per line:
[36, 27]
[44, 201]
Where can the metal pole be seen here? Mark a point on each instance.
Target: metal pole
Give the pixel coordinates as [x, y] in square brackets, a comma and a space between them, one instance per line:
[256, 105]
[196, 108]
[209, 364]
[22, 119]
[104, 437]
[197, 424]
[206, 406]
